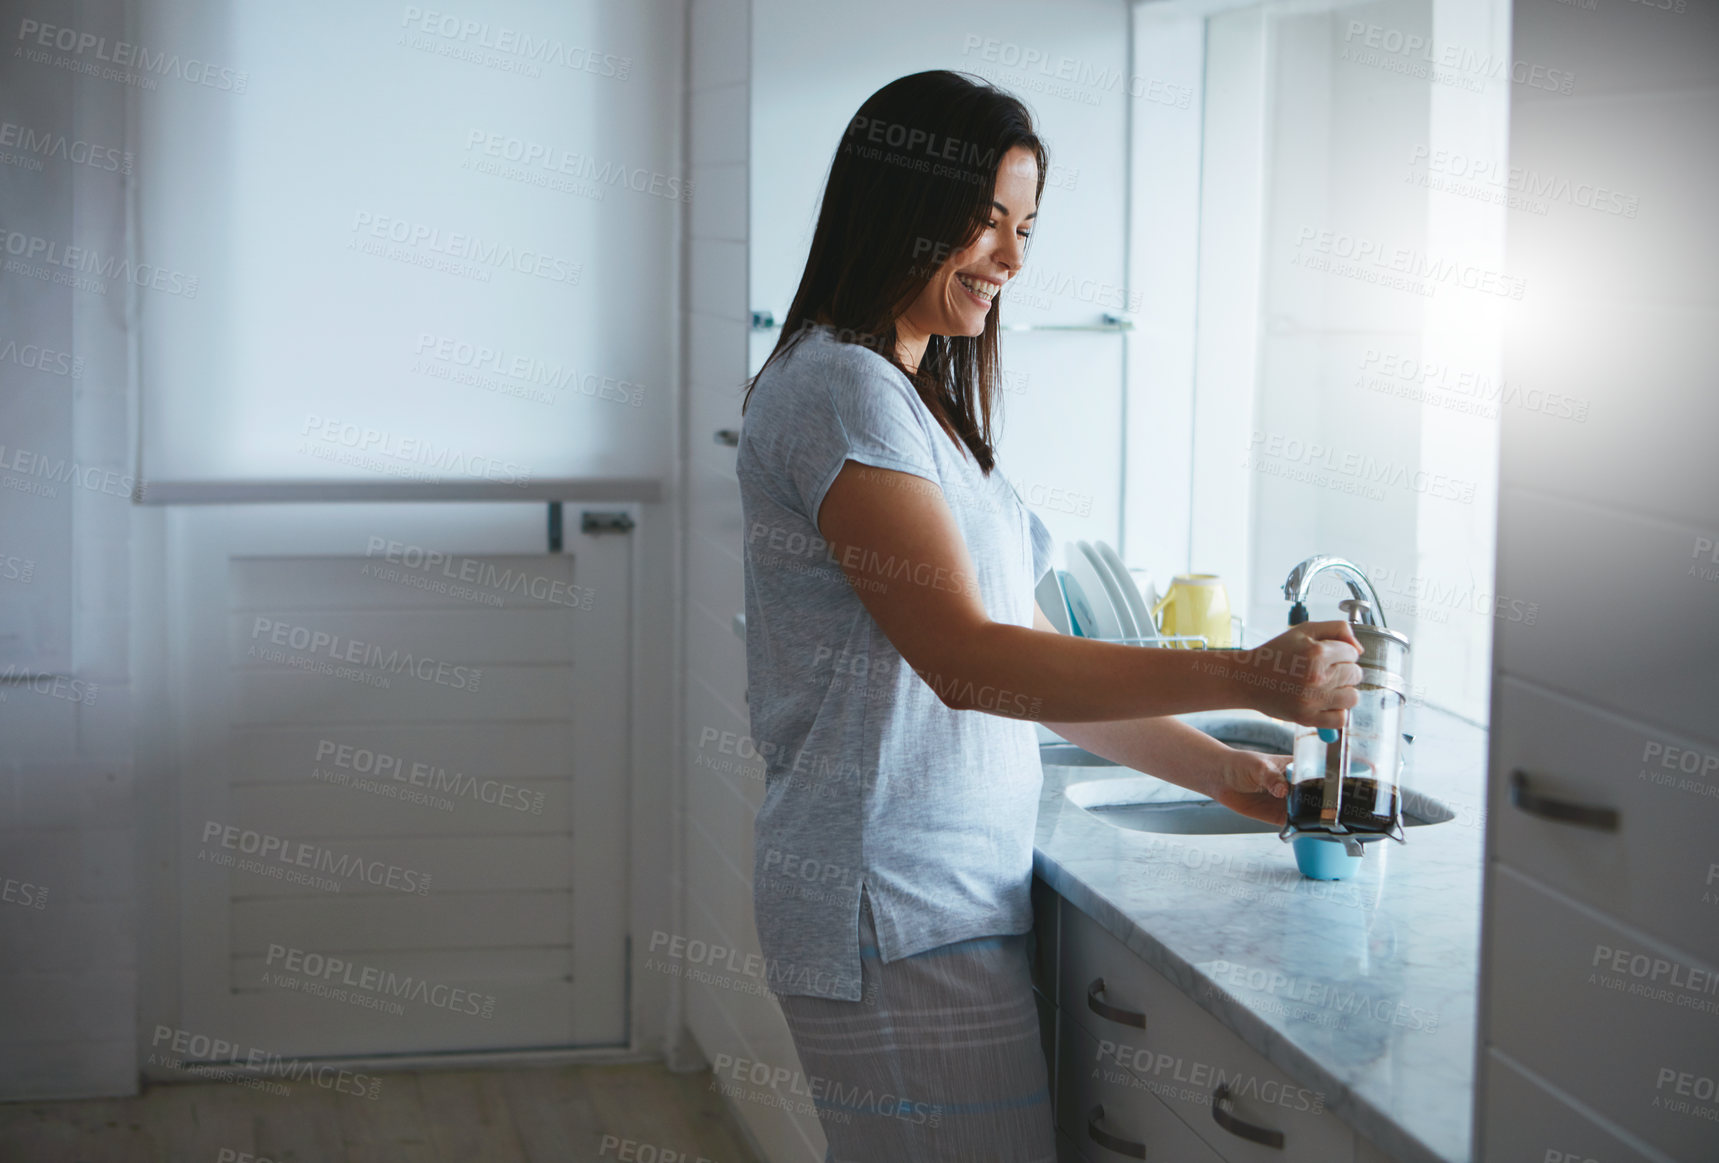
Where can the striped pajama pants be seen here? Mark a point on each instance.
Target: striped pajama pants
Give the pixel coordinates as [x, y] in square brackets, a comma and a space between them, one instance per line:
[939, 1063]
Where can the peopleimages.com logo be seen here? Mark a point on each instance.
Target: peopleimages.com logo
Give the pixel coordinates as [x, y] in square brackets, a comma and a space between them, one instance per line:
[403, 455]
[314, 973]
[221, 1060]
[57, 686]
[48, 143]
[424, 242]
[87, 49]
[311, 644]
[365, 769]
[22, 893]
[280, 859]
[465, 362]
[53, 260]
[528, 49]
[1412, 54]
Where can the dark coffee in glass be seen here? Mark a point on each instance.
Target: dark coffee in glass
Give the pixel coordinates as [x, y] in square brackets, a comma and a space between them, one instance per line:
[1367, 806]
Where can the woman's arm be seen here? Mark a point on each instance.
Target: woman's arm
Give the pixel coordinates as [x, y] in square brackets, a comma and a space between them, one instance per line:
[1244, 781]
[894, 536]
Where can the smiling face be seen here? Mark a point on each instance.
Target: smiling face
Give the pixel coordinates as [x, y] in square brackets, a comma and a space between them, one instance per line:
[960, 293]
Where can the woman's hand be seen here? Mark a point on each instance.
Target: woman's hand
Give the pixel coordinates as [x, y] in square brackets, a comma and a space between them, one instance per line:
[1306, 674]
[1252, 784]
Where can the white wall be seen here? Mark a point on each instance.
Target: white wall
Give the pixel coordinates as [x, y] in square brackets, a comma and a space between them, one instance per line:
[1166, 149]
[68, 921]
[730, 1014]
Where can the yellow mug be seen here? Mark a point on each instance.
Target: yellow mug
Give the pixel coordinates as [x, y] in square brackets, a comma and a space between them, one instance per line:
[1195, 604]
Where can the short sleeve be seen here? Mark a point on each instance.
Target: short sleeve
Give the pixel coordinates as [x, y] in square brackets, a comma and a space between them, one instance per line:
[856, 412]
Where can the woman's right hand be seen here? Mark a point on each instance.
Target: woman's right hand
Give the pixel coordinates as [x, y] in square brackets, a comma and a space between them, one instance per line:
[1306, 674]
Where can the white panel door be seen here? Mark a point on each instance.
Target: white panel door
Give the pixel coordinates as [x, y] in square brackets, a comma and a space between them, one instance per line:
[402, 734]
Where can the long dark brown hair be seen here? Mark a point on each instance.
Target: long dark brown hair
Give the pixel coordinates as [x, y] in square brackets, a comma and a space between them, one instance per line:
[911, 183]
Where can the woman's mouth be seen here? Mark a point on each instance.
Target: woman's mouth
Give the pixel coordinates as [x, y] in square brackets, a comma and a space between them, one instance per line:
[980, 290]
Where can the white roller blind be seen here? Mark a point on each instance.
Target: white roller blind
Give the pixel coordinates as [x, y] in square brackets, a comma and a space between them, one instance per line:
[424, 244]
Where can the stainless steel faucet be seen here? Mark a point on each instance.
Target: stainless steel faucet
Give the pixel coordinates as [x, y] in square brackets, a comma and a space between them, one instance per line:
[1300, 583]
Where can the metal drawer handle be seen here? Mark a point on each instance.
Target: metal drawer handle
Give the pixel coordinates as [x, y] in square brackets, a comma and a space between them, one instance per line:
[728, 436]
[1096, 1003]
[1241, 1128]
[1557, 810]
[1109, 1141]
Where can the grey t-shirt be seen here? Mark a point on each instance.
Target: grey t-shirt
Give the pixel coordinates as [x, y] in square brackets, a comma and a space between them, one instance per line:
[872, 783]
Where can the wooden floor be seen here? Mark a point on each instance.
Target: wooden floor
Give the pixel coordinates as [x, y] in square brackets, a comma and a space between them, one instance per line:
[566, 1114]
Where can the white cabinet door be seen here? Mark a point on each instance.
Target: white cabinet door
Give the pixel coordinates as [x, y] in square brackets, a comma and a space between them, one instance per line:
[1365, 1152]
[1144, 1025]
[1111, 1113]
[1624, 1025]
[1655, 861]
[1526, 1122]
[1627, 612]
[402, 751]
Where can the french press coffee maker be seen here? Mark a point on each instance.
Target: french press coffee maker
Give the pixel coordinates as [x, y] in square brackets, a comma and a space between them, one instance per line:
[1344, 783]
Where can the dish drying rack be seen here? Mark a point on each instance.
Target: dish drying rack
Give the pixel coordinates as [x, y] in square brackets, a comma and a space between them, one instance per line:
[1238, 632]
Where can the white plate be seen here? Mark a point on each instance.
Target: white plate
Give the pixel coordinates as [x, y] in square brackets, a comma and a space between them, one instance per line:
[1113, 591]
[1083, 621]
[1106, 621]
[1050, 600]
[1131, 595]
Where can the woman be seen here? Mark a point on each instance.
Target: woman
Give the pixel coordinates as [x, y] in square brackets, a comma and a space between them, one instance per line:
[895, 653]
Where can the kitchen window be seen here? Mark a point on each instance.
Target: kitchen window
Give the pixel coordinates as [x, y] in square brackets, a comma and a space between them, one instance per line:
[1317, 241]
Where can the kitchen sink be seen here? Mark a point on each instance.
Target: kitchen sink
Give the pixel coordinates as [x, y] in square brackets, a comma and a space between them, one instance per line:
[1245, 732]
[1070, 755]
[1142, 803]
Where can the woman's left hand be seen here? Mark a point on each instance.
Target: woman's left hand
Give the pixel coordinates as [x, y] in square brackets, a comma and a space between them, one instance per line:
[1252, 784]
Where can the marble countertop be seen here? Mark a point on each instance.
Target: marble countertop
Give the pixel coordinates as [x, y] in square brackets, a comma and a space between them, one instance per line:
[1362, 989]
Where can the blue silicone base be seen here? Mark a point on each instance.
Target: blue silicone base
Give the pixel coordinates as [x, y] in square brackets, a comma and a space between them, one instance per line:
[1322, 859]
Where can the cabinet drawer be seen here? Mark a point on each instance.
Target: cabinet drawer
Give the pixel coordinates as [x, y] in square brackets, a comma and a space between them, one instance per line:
[1655, 867]
[1623, 611]
[1525, 1123]
[1185, 1055]
[1111, 1114]
[1618, 1022]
